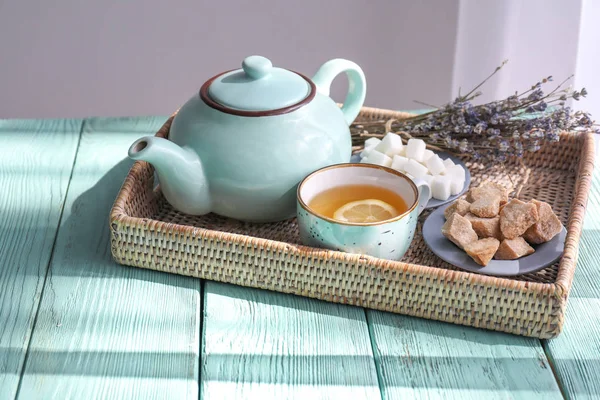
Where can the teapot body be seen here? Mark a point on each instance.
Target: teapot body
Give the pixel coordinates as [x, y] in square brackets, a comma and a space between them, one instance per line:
[240, 147]
[253, 164]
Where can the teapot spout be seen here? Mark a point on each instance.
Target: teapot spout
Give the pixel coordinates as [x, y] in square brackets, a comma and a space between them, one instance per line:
[180, 173]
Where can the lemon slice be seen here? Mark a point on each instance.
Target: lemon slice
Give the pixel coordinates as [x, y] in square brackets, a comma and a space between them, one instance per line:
[365, 211]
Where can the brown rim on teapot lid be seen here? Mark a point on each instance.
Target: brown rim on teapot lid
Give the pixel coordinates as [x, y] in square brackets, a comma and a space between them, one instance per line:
[258, 90]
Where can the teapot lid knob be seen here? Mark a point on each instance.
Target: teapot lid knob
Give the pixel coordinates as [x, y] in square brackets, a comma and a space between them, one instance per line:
[257, 67]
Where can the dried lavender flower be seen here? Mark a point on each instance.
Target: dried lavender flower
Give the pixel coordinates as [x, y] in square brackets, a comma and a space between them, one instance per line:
[499, 129]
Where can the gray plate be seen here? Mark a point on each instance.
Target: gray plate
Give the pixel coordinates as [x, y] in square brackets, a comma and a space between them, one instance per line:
[433, 203]
[545, 254]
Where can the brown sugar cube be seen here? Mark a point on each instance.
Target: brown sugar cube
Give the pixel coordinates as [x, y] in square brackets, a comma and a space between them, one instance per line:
[488, 189]
[516, 217]
[459, 231]
[511, 249]
[485, 227]
[547, 226]
[501, 207]
[459, 206]
[486, 207]
[482, 250]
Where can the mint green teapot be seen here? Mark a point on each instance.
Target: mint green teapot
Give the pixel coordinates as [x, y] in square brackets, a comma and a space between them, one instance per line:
[241, 145]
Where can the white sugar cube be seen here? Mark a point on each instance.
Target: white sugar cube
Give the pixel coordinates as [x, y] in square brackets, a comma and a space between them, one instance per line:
[376, 157]
[415, 149]
[435, 165]
[415, 169]
[372, 142]
[390, 145]
[427, 178]
[366, 151]
[440, 187]
[426, 156]
[410, 176]
[455, 171]
[448, 163]
[456, 185]
[365, 160]
[399, 162]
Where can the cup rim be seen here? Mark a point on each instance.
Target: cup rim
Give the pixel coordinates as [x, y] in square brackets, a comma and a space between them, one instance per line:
[359, 165]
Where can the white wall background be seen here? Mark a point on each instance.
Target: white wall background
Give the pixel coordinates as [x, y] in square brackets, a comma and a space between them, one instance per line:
[588, 57]
[73, 58]
[539, 38]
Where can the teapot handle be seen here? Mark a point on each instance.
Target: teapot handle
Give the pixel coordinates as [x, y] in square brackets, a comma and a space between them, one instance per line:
[357, 85]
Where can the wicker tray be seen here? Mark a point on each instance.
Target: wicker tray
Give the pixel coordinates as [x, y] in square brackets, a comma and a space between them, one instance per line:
[146, 232]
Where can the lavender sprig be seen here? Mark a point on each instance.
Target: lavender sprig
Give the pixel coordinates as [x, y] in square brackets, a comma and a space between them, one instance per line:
[496, 130]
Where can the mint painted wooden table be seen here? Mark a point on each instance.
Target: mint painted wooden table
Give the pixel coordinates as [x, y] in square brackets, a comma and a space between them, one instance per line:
[73, 324]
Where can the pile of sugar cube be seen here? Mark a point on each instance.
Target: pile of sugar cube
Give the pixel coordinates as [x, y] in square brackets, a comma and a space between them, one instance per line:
[443, 176]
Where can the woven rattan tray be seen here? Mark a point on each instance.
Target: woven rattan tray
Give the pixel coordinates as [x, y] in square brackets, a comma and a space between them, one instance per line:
[146, 232]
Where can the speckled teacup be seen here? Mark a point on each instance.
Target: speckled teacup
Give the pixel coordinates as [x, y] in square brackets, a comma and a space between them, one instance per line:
[387, 239]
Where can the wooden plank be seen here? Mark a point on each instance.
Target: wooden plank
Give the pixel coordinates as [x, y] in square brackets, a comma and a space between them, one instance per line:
[105, 330]
[36, 158]
[265, 345]
[421, 359]
[575, 353]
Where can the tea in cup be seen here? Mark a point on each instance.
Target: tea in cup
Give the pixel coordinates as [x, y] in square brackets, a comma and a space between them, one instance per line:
[360, 208]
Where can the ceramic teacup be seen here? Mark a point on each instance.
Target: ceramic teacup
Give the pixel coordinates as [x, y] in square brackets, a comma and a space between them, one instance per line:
[387, 239]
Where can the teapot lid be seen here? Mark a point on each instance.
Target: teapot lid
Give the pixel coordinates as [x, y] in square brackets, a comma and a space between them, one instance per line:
[258, 89]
